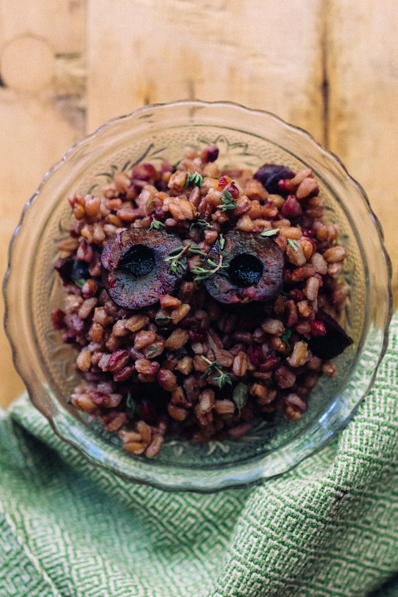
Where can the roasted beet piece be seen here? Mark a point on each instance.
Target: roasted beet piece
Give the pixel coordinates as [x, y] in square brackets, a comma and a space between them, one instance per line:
[70, 269]
[331, 344]
[270, 174]
[135, 272]
[252, 269]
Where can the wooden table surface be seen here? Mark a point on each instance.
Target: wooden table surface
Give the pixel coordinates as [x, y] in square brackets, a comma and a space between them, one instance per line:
[330, 66]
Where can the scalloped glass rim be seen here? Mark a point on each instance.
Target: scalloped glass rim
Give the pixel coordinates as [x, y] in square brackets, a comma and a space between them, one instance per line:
[271, 463]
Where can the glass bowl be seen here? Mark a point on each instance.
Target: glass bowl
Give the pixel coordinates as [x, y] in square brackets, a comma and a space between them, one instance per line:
[245, 138]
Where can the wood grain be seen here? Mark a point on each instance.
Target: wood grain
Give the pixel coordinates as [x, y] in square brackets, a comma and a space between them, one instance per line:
[329, 66]
[262, 54]
[39, 112]
[60, 22]
[362, 56]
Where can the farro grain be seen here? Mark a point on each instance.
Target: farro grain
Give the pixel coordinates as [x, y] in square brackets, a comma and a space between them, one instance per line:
[119, 349]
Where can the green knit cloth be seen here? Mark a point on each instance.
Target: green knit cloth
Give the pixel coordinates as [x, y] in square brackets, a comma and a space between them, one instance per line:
[329, 527]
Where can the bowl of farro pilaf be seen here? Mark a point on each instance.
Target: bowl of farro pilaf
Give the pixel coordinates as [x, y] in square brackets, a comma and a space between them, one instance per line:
[198, 296]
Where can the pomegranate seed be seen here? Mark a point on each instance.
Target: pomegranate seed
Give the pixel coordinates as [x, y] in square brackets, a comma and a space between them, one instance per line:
[291, 207]
[287, 276]
[58, 319]
[296, 294]
[318, 328]
[190, 323]
[233, 189]
[118, 360]
[166, 167]
[309, 235]
[196, 335]
[282, 184]
[144, 172]
[255, 355]
[147, 411]
[306, 221]
[210, 153]
[269, 363]
[98, 397]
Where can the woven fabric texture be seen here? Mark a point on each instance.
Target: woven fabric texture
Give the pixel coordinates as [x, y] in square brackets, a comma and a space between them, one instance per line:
[327, 528]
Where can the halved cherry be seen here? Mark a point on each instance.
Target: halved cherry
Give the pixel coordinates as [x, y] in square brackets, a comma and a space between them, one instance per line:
[135, 270]
[252, 269]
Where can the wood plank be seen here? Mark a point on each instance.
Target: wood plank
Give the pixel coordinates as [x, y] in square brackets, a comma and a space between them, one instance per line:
[40, 115]
[259, 53]
[363, 83]
[271, 55]
[59, 22]
[33, 136]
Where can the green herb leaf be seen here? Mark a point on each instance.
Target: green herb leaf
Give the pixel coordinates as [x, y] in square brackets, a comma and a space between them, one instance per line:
[270, 232]
[228, 202]
[162, 319]
[196, 251]
[213, 365]
[221, 240]
[175, 166]
[151, 202]
[286, 336]
[200, 223]
[176, 265]
[293, 244]
[194, 179]
[156, 225]
[79, 282]
[222, 379]
[152, 351]
[239, 395]
[175, 251]
[131, 405]
[204, 272]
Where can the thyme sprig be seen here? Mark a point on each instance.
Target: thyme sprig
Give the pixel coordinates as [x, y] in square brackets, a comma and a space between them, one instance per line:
[228, 202]
[286, 336]
[270, 232]
[156, 225]
[222, 378]
[293, 244]
[152, 351]
[131, 405]
[203, 272]
[239, 396]
[200, 223]
[194, 250]
[174, 259]
[194, 179]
